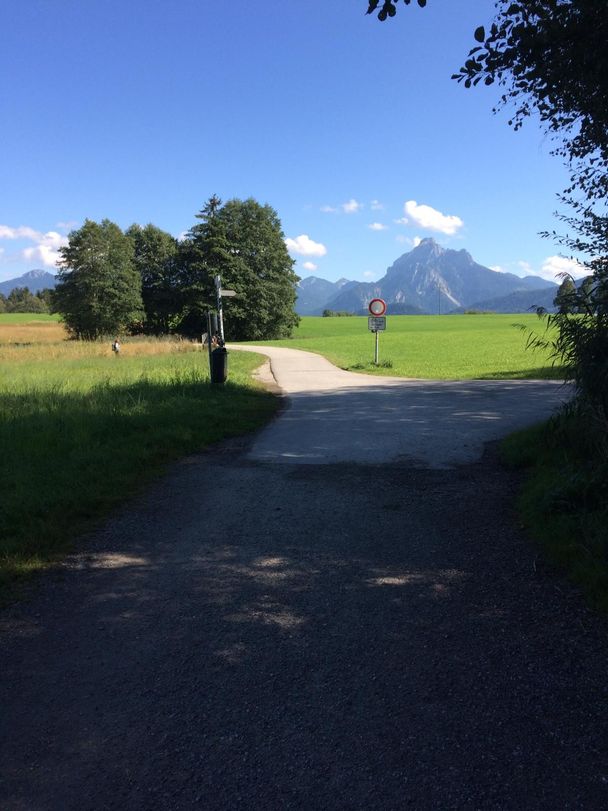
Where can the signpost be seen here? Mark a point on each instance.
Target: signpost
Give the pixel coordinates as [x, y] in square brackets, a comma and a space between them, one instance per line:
[218, 358]
[376, 322]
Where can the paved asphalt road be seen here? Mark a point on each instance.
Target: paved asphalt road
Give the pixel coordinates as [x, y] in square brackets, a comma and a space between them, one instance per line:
[258, 633]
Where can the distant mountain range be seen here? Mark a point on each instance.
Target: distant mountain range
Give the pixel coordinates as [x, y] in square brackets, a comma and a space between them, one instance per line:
[429, 279]
[34, 280]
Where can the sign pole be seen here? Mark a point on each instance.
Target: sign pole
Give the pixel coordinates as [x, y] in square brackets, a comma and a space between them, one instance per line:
[376, 321]
[218, 289]
[209, 336]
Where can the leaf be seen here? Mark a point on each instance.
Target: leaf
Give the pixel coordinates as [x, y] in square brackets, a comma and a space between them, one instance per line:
[422, 3]
[480, 34]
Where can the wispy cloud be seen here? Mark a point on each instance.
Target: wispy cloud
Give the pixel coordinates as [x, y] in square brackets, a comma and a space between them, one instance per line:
[376, 205]
[497, 269]
[377, 226]
[309, 266]
[370, 275]
[431, 219]
[351, 207]
[328, 209]
[305, 246]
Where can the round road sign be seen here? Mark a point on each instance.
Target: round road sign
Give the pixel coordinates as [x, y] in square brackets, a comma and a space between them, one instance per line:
[377, 306]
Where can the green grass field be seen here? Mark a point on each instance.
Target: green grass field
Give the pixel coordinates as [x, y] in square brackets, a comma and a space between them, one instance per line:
[27, 318]
[435, 347]
[81, 431]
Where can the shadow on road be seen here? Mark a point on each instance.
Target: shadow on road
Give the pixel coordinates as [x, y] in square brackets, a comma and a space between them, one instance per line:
[265, 636]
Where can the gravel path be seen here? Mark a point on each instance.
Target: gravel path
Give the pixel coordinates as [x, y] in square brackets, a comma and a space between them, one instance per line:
[252, 635]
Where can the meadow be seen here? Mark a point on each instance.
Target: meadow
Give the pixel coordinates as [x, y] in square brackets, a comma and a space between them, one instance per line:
[82, 430]
[435, 347]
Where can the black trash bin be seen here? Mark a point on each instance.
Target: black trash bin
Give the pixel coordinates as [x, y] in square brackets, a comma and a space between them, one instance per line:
[219, 365]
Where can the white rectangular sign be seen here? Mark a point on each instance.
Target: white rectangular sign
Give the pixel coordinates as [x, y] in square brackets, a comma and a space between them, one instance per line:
[376, 323]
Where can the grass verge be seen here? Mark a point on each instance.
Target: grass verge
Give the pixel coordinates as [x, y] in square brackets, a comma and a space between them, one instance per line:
[450, 347]
[564, 502]
[78, 438]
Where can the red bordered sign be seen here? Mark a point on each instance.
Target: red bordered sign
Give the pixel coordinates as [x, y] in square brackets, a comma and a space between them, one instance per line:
[377, 306]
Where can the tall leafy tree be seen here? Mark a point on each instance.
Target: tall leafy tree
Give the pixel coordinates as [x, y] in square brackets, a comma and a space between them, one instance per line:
[565, 297]
[156, 260]
[243, 242]
[99, 289]
[203, 254]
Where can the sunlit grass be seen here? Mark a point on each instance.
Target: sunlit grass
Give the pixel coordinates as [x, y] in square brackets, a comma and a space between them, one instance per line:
[436, 347]
[82, 429]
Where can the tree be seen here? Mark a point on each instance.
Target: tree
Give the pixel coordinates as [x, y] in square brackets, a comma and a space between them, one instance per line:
[21, 300]
[46, 296]
[243, 242]
[203, 254]
[99, 289]
[2, 303]
[565, 297]
[156, 261]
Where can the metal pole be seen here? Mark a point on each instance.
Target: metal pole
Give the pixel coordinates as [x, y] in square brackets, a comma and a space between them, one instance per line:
[218, 287]
[376, 352]
[209, 338]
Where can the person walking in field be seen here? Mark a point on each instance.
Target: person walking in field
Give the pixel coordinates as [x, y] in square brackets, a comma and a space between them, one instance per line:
[116, 346]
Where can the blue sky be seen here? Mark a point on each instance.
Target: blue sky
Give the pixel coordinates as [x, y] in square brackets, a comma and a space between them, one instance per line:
[350, 128]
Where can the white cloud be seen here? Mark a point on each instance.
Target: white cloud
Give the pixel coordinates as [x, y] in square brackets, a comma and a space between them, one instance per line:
[67, 226]
[377, 226]
[309, 266]
[401, 221]
[22, 232]
[351, 207]
[328, 209]
[431, 219]
[403, 240]
[305, 246]
[497, 269]
[370, 275]
[554, 265]
[46, 246]
[526, 267]
[376, 205]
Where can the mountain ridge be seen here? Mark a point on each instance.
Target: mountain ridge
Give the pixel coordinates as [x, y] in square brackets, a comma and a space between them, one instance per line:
[431, 279]
[34, 280]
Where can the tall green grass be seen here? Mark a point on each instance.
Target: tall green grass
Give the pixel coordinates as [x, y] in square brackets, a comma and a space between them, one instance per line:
[564, 501]
[438, 347]
[79, 435]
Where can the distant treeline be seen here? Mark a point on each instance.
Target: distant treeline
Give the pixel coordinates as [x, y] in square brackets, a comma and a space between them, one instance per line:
[337, 314]
[22, 300]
